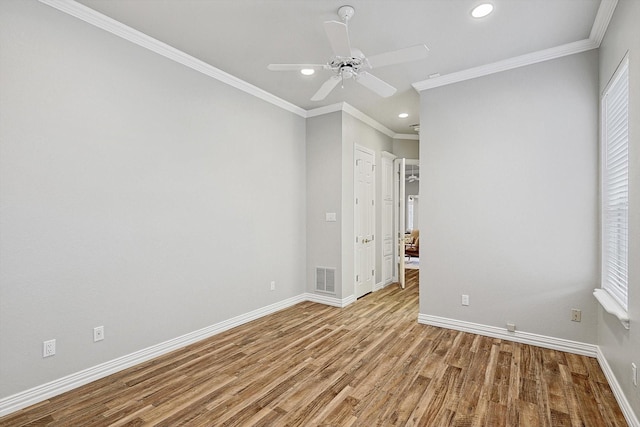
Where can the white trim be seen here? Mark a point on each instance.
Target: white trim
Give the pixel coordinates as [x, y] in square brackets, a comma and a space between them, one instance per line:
[327, 300]
[388, 155]
[134, 36]
[625, 406]
[406, 136]
[378, 286]
[603, 17]
[45, 391]
[517, 336]
[366, 150]
[108, 24]
[507, 64]
[369, 152]
[112, 26]
[598, 30]
[611, 306]
[320, 111]
[349, 109]
[354, 112]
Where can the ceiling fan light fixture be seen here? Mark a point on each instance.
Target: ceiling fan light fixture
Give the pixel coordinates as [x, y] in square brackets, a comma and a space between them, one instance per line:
[403, 115]
[482, 10]
[307, 71]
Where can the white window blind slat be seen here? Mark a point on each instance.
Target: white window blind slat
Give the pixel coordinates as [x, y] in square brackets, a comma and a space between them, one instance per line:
[615, 186]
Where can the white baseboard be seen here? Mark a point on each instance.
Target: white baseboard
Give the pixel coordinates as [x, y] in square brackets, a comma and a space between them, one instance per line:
[625, 406]
[517, 336]
[328, 300]
[45, 391]
[569, 346]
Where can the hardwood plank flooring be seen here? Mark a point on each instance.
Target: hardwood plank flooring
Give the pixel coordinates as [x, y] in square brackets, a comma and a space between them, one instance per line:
[368, 364]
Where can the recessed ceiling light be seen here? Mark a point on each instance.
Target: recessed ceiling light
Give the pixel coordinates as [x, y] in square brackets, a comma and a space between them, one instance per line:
[482, 10]
[403, 115]
[307, 71]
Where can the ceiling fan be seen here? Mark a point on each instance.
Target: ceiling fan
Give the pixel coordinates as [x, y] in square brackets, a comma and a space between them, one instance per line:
[351, 63]
[413, 177]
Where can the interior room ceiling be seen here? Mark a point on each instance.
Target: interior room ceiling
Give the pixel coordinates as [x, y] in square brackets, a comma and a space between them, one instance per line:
[241, 37]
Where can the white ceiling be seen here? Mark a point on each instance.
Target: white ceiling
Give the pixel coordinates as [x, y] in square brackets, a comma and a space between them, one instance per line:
[241, 37]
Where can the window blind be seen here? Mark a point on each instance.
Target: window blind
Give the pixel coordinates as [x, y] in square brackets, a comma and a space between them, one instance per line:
[615, 185]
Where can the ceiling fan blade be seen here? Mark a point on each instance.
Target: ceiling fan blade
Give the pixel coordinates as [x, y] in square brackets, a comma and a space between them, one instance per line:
[338, 36]
[326, 88]
[407, 54]
[293, 67]
[373, 83]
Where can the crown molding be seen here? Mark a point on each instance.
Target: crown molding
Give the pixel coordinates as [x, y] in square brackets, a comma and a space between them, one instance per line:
[324, 110]
[598, 30]
[354, 112]
[507, 64]
[92, 17]
[603, 18]
[114, 27]
[349, 109]
[406, 136]
[99, 20]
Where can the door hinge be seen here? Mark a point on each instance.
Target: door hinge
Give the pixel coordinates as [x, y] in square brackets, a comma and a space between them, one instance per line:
[356, 200]
[356, 239]
[357, 277]
[373, 272]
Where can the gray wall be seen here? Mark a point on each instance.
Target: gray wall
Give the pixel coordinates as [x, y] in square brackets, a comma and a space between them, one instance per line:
[133, 195]
[331, 141]
[324, 194]
[509, 198]
[621, 347]
[407, 148]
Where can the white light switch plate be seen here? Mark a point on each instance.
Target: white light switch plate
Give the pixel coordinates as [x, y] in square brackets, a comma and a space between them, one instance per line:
[330, 216]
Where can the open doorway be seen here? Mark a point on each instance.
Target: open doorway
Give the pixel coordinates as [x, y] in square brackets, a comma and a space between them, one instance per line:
[407, 228]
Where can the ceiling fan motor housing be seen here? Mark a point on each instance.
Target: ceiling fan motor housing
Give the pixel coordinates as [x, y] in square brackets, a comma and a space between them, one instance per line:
[346, 12]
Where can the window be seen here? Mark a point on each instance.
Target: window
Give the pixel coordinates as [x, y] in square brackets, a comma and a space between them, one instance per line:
[615, 185]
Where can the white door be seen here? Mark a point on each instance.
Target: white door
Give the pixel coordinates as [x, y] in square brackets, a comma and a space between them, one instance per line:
[388, 227]
[402, 166]
[365, 221]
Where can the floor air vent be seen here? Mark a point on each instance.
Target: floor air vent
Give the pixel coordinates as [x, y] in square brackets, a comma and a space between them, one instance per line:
[326, 279]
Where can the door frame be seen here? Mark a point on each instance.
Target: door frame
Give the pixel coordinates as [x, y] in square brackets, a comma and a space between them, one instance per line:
[400, 165]
[372, 153]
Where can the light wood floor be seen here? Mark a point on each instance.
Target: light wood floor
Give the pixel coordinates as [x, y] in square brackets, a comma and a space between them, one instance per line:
[368, 364]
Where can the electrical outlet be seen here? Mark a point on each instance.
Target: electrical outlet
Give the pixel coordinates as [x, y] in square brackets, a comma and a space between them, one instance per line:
[273, 285]
[49, 348]
[465, 299]
[98, 333]
[511, 327]
[576, 315]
